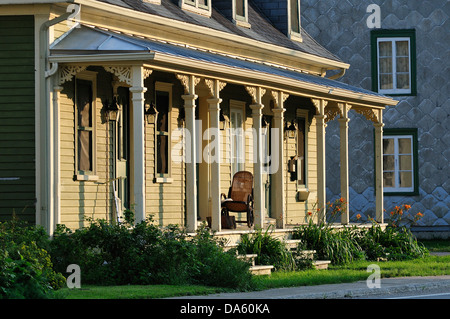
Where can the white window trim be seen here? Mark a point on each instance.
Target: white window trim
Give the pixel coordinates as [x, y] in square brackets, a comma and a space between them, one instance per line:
[293, 35]
[304, 114]
[92, 175]
[194, 7]
[241, 21]
[394, 90]
[397, 188]
[164, 178]
[238, 107]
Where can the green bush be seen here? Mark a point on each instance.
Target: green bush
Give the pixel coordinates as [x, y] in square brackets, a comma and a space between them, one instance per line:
[329, 244]
[392, 243]
[26, 270]
[270, 250]
[354, 243]
[117, 254]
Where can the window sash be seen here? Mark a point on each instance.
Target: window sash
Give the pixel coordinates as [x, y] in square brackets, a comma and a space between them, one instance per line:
[390, 62]
[398, 164]
[237, 140]
[84, 90]
[163, 140]
[301, 151]
[295, 16]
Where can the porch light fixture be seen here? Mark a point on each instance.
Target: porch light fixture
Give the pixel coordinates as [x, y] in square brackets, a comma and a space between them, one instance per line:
[264, 122]
[290, 130]
[112, 111]
[222, 121]
[181, 117]
[151, 113]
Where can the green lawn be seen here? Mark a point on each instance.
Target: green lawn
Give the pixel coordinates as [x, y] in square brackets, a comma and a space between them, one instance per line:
[429, 266]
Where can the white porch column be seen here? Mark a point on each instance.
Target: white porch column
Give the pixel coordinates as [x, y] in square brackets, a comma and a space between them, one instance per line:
[215, 87]
[137, 90]
[343, 125]
[320, 105]
[189, 82]
[379, 198]
[258, 191]
[57, 158]
[278, 201]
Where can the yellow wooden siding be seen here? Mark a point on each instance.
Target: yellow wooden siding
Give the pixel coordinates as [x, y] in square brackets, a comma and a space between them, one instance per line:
[81, 199]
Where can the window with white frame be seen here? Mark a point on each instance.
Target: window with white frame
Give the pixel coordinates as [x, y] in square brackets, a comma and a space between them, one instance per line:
[394, 65]
[237, 135]
[240, 13]
[202, 7]
[393, 62]
[400, 161]
[294, 20]
[163, 101]
[85, 89]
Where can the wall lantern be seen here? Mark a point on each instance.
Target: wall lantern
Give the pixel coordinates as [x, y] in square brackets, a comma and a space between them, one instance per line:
[112, 110]
[222, 121]
[290, 130]
[151, 113]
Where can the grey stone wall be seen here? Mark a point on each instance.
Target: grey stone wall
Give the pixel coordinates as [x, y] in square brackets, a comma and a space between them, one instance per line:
[340, 26]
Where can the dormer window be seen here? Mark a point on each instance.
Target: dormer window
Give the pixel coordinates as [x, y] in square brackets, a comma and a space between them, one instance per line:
[202, 7]
[294, 20]
[240, 13]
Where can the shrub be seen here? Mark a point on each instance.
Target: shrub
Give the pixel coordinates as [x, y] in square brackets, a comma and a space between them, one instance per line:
[270, 250]
[26, 270]
[392, 243]
[117, 254]
[329, 244]
[373, 243]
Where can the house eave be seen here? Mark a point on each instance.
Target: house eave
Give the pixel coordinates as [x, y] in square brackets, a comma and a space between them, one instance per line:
[211, 36]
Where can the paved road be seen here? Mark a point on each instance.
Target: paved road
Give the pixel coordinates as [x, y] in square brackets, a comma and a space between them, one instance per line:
[432, 293]
[388, 287]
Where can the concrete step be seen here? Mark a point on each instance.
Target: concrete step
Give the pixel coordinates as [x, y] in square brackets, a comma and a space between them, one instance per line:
[260, 270]
[248, 257]
[306, 254]
[321, 264]
[292, 244]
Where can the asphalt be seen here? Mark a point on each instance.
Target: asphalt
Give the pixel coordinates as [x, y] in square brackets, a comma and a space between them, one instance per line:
[339, 291]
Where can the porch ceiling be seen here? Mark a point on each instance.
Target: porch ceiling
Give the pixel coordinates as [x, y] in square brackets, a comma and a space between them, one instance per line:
[85, 44]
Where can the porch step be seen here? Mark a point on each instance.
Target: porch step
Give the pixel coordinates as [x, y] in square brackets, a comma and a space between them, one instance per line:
[306, 254]
[292, 244]
[248, 257]
[256, 270]
[321, 264]
[260, 270]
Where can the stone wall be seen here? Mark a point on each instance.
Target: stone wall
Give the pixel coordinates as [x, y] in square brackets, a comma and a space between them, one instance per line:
[340, 26]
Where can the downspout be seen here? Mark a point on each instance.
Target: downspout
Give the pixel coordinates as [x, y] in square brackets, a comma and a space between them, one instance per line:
[46, 129]
[337, 75]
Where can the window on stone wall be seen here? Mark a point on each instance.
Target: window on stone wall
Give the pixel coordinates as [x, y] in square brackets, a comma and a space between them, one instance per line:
[400, 168]
[393, 62]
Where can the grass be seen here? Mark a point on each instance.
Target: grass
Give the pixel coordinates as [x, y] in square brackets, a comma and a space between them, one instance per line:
[434, 245]
[135, 292]
[429, 266]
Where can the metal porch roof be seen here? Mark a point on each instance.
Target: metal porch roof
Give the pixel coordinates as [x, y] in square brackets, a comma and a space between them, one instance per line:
[88, 40]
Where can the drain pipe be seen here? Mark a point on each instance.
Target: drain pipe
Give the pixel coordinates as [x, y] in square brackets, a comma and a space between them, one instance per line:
[46, 207]
[337, 75]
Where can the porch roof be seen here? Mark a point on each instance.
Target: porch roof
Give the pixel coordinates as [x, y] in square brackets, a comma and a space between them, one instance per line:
[88, 43]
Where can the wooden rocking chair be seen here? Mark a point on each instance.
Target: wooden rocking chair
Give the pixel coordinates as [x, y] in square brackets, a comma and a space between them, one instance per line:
[240, 199]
